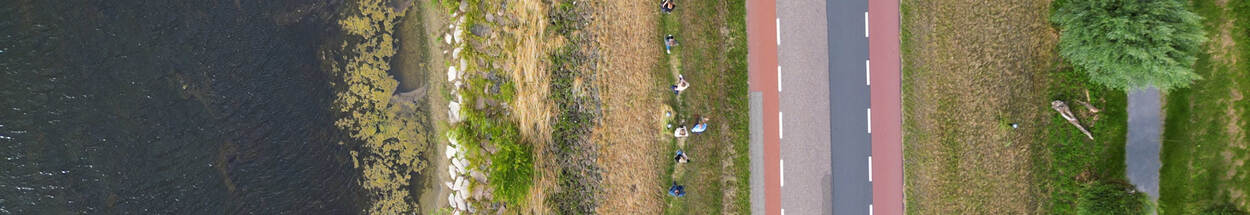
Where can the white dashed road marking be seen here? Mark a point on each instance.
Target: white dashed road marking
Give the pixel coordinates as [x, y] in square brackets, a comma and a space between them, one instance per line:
[865, 24]
[783, 172]
[869, 120]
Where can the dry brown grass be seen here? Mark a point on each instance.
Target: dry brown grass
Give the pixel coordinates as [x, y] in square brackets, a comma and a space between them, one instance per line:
[627, 135]
[970, 65]
[533, 85]
[533, 108]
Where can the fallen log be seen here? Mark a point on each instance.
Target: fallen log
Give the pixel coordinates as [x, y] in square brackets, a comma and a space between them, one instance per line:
[1067, 114]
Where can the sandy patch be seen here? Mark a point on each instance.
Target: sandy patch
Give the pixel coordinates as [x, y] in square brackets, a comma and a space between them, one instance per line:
[1223, 47]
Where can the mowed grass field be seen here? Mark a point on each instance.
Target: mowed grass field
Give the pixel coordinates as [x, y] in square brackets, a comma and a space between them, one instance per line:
[1205, 145]
[971, 68]
[712, 57]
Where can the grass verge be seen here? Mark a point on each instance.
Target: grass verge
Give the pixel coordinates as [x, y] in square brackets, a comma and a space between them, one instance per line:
[970, 69]
[712, 57]
[1205, 146]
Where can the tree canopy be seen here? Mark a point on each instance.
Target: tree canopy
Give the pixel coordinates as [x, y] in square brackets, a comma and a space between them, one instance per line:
[1131, 44]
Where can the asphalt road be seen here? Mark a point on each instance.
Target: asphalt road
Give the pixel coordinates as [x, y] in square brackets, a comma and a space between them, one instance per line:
[804, 106]
[824, 102]
[848, 51]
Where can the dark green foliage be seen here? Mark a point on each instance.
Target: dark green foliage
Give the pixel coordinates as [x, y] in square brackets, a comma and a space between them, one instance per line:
[512, 166]
[1111, 198]
[512, 169]
[1071, 158]
[1128, 44]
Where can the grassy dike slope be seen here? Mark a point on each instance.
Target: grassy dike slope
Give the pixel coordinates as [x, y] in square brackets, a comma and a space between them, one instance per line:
[712, 57]
[1205, 146]
[970, 68]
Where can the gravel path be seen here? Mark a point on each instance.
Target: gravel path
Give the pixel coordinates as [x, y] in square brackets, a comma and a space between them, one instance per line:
[1142, 150]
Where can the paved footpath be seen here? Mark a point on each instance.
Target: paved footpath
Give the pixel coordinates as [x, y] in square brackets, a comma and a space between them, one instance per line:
[762, 67]
[887, 103]
[1144, 130]
[886, 106]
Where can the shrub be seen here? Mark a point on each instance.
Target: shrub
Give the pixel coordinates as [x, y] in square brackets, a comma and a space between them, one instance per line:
[1111, 198]
[1129, 44]
[512, 171]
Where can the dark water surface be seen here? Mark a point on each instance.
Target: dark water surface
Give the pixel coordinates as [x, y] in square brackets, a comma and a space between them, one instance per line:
[169, 107]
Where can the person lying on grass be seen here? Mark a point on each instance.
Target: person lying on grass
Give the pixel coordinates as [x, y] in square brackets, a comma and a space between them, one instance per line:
[681, 157]
[667, 6]
[669, 43]
[681, 132]
[681, 85]
[677, 190]
[700, 125]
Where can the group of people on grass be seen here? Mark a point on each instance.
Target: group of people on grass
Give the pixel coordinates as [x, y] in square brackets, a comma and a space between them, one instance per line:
[699, 127]
[700, 124]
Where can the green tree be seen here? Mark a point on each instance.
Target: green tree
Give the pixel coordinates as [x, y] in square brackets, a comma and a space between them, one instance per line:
[1111, 198]
[1130, 44]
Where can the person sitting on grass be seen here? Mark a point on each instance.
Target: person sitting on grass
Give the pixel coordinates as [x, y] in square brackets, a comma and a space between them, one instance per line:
[681, 132]
[669, 43]
[681, 157]
[681, 85]
[677, 190]
[700, 126]
[667, 6]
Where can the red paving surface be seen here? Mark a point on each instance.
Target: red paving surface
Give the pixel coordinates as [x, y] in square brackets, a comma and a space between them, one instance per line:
[762, 63]
[886, 103]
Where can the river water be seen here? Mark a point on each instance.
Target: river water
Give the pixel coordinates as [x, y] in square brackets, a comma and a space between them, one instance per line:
[169, 107]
